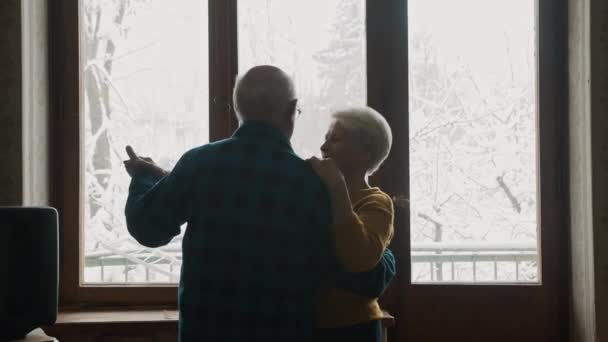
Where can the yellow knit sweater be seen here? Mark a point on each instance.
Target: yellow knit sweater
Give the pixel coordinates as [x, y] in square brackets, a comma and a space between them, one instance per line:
[359, 245]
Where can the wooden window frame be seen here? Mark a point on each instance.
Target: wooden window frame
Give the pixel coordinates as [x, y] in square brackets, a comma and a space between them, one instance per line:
[540, 312]
[387, 91]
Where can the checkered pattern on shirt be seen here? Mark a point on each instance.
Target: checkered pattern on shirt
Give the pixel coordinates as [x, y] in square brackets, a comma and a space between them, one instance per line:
[257, 246]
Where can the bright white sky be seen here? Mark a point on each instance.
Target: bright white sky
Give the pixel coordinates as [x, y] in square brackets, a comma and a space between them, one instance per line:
[475, 31]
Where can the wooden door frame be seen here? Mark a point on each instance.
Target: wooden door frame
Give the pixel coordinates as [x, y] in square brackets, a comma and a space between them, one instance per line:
[438, 312]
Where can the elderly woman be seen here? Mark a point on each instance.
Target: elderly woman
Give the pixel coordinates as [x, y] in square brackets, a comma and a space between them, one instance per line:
[356, 144]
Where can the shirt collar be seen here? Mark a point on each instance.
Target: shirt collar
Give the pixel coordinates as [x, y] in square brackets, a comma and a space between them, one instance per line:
[262, 130]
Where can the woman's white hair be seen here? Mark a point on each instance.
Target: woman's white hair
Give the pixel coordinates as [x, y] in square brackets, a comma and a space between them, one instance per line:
[369, 129]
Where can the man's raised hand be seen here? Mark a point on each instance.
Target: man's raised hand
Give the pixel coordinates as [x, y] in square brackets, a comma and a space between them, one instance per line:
[142, 166]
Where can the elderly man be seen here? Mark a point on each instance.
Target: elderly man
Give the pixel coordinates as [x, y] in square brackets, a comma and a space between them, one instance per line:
[258, 246]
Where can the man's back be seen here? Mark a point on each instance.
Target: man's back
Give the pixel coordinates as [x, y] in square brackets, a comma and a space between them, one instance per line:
[258, 245]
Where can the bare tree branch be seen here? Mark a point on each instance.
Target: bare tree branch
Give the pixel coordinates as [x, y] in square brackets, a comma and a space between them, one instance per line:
[430, 219]
[509, 193]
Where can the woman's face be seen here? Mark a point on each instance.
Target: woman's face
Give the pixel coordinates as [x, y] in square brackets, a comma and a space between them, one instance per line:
[340, 146]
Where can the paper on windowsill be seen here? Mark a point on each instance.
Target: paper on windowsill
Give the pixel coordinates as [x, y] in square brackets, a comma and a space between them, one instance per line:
[37, 335]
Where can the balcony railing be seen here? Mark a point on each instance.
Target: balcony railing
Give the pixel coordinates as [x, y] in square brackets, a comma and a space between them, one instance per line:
[444, 259]
[438, 255]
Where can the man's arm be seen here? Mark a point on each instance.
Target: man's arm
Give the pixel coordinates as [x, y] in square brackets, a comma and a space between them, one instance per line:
[370, 284]
[156, 208]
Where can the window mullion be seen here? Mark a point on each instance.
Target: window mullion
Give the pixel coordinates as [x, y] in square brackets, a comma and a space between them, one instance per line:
[223, 67]
[387, 89]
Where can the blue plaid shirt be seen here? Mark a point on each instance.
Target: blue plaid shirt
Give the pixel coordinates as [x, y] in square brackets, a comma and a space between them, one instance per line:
[258, 247]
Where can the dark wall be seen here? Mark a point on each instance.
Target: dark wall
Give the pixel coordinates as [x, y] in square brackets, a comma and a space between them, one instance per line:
[10, 103]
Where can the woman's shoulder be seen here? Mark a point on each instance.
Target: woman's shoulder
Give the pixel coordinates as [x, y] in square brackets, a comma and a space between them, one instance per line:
[374, 195]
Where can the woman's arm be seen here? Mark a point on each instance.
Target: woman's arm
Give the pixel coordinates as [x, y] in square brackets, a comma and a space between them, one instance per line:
[360, 237]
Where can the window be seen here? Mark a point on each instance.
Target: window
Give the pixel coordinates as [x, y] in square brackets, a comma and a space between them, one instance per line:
[472, 141]
[326, 60]
[139, 82]
[473, 91]
[144, 75]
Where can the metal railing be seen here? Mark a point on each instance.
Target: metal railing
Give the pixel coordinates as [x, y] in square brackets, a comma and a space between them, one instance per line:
[134, 255]
[436, 255]
[439, 254]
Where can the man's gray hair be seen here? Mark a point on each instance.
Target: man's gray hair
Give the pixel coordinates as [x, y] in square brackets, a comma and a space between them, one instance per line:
[264, 90]
[368, 128]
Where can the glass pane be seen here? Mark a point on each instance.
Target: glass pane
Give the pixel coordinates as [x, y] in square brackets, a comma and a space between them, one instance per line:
[321, 44]
[144, 83]
[472, 141]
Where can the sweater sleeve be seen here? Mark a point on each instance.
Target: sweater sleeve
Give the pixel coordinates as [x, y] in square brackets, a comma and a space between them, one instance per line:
[361, 241]
[156, 209]
[370, 284]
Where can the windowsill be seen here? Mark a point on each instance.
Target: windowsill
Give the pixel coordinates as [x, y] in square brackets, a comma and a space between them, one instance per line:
[141, 316]
[116, 316]
[115, 325]
[127, 325]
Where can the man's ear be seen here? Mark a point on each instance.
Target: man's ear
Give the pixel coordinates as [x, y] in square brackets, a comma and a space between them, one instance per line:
[291, 107]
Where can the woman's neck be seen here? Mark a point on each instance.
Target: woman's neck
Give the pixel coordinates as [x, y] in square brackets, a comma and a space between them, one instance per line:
[356, 182]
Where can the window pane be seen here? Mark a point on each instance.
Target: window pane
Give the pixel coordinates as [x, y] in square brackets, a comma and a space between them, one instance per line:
[473, 176]
[321, 44]
[144, 83]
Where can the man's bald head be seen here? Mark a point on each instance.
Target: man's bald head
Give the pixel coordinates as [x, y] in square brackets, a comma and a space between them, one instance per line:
[263, 93]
